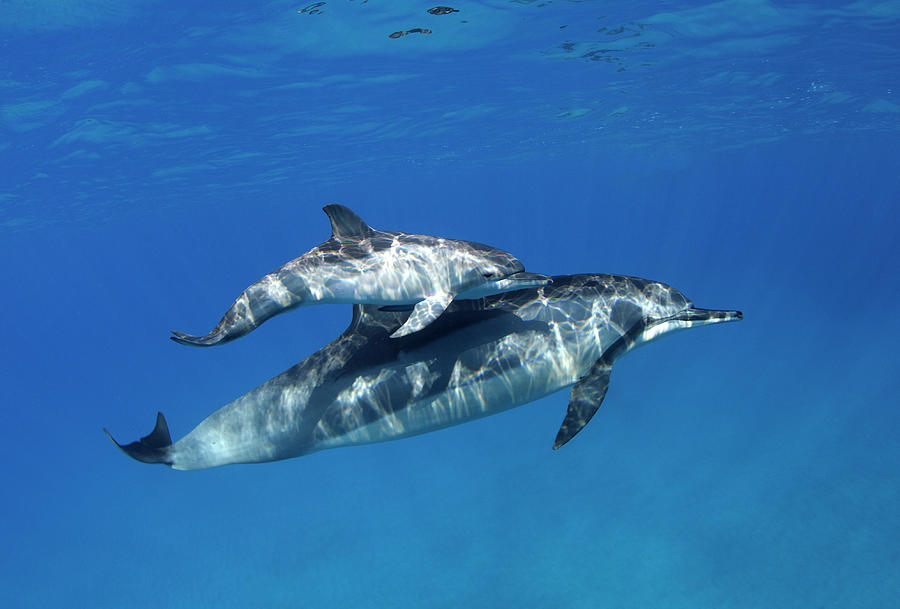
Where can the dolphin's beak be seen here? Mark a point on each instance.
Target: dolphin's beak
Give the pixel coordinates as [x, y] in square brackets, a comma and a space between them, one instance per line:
[527, 280]
[702, 317]
[689, 318]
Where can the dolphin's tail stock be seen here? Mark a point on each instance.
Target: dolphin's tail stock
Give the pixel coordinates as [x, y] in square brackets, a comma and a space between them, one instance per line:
[152, 448]
[213, 338]
[258, 303]
[238, 320]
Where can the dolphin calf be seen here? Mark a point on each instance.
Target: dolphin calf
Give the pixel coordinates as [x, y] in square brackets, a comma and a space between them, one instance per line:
[481, 357]
[361, 265]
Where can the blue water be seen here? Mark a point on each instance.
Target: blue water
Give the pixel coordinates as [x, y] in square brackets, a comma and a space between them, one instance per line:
[155, 159]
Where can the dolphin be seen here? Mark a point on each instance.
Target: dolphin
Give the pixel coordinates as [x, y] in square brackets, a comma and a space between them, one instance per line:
[361, 265]
[480, 358]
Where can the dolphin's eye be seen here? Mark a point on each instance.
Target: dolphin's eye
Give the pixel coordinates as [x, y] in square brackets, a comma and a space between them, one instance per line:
[487, 275]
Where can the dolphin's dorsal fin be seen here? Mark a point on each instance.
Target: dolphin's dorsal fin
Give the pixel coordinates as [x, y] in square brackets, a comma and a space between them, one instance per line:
[345, 223]
[587, 395]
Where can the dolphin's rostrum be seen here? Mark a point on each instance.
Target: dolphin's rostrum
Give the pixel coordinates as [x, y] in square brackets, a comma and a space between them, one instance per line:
[479, 358]
[361, 265]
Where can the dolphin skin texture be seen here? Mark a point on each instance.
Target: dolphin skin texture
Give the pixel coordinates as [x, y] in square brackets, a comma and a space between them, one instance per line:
[361, 265]
[480, 358]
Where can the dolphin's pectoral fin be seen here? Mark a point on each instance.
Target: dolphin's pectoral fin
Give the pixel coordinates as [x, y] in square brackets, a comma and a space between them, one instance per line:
[345, 223]
[586, 397]
[424, 313]
[152, 448]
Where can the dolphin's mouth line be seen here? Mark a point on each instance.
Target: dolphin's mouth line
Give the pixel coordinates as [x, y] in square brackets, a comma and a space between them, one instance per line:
[524, 277]
[695, 315]
[701, 316]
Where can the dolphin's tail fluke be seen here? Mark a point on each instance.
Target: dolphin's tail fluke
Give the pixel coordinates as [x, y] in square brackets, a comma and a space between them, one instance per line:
[152, 448]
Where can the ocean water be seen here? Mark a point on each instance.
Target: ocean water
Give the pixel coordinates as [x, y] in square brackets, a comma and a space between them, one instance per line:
[156, 159]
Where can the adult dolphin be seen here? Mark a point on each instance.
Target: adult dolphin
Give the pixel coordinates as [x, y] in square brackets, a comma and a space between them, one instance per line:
[479, 358]
[361, 265]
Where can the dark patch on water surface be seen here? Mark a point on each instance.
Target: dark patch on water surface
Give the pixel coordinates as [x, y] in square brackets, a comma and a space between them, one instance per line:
[312, 9]
[442, 10]
[415, 30]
